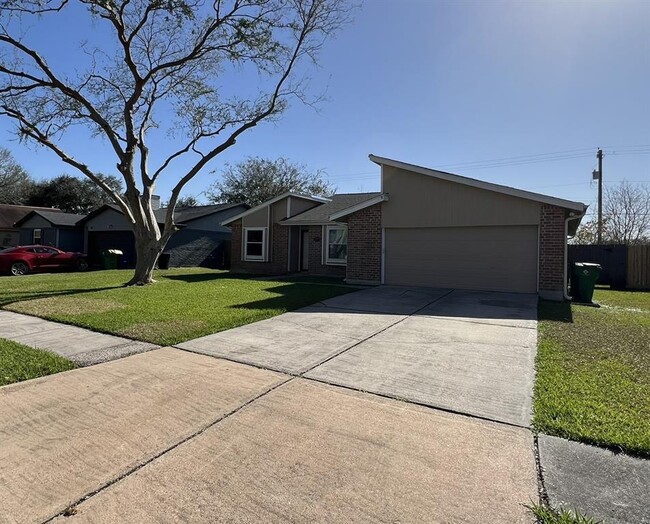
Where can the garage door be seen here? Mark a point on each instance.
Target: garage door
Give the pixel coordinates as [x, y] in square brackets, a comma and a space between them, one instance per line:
[490, 258]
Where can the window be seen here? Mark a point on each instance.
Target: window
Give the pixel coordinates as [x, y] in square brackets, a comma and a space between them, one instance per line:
[36, 236]
[337, 245]
[255, 244]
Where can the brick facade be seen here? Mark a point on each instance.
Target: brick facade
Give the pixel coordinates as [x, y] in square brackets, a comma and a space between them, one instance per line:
[316, 266]
[551, 252]
[364, 246]
[277, 265]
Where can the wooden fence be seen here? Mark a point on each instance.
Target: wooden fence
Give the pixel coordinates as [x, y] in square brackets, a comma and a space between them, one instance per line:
[638, 267]
[623, 266]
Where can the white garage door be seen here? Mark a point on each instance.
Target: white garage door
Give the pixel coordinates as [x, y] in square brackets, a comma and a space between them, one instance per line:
[501, 258]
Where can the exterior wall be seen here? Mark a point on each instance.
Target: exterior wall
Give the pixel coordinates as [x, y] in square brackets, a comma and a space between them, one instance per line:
[316, 266]
[551, 252]
[195, 247]
[9, 238]
[257, 219]
[278, 249]
[364, 246]
[109, 220]
[48, 235]
[71, 239]
[417, 200]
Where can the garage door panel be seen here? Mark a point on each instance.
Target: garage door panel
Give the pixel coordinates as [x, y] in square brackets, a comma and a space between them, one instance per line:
[489, 258]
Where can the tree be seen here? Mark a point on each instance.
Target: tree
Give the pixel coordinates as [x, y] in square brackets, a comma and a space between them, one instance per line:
[15, 182]
[188, 201]
[72, 194]
[627, 208]
[196, 74]
[626, 217]
[256, 180]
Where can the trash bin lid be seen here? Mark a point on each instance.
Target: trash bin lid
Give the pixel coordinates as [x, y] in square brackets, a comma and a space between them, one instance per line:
[114, 252]
[591, 264]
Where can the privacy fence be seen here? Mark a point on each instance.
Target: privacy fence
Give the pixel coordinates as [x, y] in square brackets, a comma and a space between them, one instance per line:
[624, 267]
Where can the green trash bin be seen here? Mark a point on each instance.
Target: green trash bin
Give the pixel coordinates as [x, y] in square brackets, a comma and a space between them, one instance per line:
[112, 258]
[583, 281]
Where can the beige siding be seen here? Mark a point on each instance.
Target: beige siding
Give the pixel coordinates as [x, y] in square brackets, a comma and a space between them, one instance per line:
[300, 205]
[257, 219]
[417, 200]
[484, 258]
[279, 210]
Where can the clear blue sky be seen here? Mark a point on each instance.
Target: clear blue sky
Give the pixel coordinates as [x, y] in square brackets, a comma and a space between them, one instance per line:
[446, 83]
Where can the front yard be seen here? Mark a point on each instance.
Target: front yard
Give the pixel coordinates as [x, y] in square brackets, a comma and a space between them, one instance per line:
[183, 304]
[19, 362]
[593, 371]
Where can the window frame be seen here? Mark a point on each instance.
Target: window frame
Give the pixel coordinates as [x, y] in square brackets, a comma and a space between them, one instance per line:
[40, 236]
[326, 246]
[254, 258]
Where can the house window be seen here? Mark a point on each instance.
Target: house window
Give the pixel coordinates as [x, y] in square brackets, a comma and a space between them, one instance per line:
[36, 237]
[337, 245]
[255, 244]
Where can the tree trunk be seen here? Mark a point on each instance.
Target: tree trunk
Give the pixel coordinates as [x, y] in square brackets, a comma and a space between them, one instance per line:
[147, 248]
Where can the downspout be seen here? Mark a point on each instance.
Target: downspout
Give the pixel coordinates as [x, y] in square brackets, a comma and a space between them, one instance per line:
[571, 216]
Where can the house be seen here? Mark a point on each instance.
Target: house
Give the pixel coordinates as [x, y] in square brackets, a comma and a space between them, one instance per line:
[51, 228]
[425, 228]
[200, 241]
[9, 215]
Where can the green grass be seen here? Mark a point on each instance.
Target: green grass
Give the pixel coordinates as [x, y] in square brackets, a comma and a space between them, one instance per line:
[18, 362]
[182, 304]
[546, 515]
[593, 371]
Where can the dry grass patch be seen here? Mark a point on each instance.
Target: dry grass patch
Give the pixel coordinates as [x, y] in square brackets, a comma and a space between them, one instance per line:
[65, 305]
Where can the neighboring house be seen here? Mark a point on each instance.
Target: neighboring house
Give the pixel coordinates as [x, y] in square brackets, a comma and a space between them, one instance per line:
[51, 228]
[425, 228]
[9, 215]
[201, 240]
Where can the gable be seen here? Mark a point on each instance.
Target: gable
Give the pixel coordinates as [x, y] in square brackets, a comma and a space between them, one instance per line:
[35, 221]
[108, 220]
[418, 200]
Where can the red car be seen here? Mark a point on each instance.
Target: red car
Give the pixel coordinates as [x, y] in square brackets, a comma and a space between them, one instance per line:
[24, 259]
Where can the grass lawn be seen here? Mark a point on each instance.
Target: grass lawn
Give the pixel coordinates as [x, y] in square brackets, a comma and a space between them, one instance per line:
[547, 515]
[183, 304]
[593, 371]
[18, 362]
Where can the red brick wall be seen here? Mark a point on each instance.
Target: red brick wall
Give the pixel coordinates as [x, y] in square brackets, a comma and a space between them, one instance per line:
[551, 252]
[316, 266]
[364, 245]
[277, 264]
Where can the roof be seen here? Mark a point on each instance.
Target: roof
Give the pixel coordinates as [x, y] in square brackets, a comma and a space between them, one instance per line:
[56, 218]
[473, 182]
[182, 215]
[273, 201]
[10, 214]
[337, 204]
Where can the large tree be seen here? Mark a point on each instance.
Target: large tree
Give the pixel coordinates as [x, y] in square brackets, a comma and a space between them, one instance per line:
[15, 182]
[197, 74]
[256, 180]
[72, 194]
[626, 216]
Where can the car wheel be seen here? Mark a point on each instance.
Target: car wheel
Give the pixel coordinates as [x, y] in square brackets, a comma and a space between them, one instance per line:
[82, 265]
[19, 268]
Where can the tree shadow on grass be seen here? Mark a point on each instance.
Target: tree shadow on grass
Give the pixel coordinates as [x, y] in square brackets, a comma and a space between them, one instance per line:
[33, 295]
[555, 311]
[193, 278]
[294, 297]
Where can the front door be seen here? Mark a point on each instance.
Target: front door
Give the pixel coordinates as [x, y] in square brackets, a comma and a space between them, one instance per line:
[304, 250]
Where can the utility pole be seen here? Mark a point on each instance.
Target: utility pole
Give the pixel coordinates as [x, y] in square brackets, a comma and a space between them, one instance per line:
[599, 155]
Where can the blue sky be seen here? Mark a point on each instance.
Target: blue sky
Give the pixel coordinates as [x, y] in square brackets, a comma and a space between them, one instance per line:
[443, 84]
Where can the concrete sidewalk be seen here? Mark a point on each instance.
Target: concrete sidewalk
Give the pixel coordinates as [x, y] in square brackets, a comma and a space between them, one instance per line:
[82, 346]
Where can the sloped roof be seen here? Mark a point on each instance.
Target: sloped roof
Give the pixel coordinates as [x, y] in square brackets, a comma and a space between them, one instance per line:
[273, 201]
[473, 182]
[10, 214]
[321, 214]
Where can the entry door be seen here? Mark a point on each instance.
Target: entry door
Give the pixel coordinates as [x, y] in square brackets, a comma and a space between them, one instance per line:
[304, 250]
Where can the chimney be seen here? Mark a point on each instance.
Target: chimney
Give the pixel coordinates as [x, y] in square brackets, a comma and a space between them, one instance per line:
[155, 202]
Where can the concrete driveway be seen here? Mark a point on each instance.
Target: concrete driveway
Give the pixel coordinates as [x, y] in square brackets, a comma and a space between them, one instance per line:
[171, 435]
[465, 351]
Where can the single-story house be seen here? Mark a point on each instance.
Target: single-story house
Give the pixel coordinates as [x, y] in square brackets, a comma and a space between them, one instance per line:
[425, 227]
[200, 241]
[9, 215]
[51, 228]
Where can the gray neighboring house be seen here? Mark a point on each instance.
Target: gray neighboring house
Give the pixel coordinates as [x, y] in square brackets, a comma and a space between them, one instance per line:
[201, 240]
[51, 228]
[9, 215]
